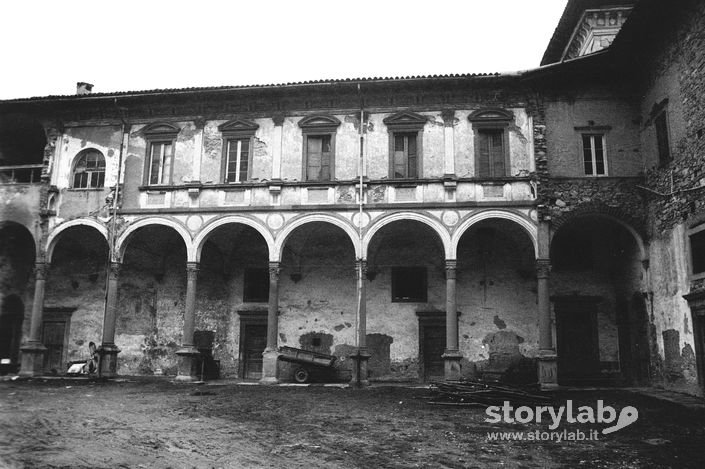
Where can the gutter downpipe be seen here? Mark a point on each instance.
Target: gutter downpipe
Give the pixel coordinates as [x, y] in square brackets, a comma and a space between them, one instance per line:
[360, 317]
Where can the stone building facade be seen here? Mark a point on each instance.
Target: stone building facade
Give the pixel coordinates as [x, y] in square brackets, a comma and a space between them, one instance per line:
[506, 226]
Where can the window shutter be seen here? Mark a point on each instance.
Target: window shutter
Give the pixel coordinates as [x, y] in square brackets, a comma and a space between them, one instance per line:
[313, 157]
[497, 154]
[483, 170]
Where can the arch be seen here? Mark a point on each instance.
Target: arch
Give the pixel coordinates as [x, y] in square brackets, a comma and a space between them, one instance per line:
[13, 224]
[643, 253]
[121, 244]
[521, 220]
[53, 237]
[283, 235]
[202, 235]
[88, 169]
[434, 224]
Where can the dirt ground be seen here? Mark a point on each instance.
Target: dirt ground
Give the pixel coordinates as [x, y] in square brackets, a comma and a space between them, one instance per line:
[154, 423]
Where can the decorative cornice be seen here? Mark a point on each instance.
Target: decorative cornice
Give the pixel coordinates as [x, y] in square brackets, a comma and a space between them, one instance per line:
[238, 125]
[405, 120]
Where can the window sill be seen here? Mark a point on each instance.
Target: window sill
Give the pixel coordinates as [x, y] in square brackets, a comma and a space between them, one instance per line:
[86, 189]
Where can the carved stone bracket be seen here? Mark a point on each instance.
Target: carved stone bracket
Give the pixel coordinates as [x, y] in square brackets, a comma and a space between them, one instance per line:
[115, 268]
[41, 270]
[451, 268]
[192, 269]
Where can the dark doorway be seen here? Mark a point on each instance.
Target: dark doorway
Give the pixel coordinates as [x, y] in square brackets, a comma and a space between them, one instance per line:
[253, 340]
[11, 317]
[577, 343]
[432, 345]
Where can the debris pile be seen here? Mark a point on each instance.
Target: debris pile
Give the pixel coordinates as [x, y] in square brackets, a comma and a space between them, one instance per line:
[481, 394]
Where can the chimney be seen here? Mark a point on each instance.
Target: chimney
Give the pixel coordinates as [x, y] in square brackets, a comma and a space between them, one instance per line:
[83, 88]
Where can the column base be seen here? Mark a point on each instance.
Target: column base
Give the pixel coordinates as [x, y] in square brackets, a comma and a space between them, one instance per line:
[188, 364]
[270, 367]
[548, 369]
[32, 363]
[453, 368]
[108, 360]
[359, 370]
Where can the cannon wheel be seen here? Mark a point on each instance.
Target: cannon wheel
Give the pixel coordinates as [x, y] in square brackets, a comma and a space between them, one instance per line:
[301, 375]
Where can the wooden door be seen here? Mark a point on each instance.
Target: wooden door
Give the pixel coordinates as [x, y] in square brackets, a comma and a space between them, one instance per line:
[53, 338]
[578, 353]
[254, 342]
[433, 344]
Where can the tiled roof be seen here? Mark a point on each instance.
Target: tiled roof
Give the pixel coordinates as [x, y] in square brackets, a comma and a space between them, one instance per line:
[260, 86]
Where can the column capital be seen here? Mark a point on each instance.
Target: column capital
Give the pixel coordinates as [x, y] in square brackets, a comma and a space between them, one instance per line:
[41, 270]
[543, 268]
[115, 268]
[361, 264]
[278, 119]
[448, 116]
[274, 270]
[192, 269]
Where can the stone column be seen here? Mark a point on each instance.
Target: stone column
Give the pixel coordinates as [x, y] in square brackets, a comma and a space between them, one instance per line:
[108, 350]
[548, 375]
[452, 355]
[33, 350]
[188, 353]
[270, 357]
[361, 355]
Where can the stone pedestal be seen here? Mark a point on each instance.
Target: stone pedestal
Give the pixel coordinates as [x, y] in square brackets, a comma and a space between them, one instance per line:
[32, 363]
[548, 369]
[359, 368]
[270, 367]
[453, 368]
[108, 360]
[188, 364]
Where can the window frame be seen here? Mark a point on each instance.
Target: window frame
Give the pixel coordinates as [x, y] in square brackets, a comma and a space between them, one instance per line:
[491, 120]
[318, 126]
[159, 134]
[395, 272]
[699, 230]
[83, 154]
[234, 130]
[593, 153]
[405, 123]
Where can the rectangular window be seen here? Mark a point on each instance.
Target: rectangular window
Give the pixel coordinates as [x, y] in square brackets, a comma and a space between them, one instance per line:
[697, 251]
[594, 155]
[160, 158]
[405, 155]
[237, 165]
[256, 285]
[319, 153]
[491, 153]
[409, 284]
[664, 149]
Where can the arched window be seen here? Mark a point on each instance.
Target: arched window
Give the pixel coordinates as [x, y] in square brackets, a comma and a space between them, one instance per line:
[89, 170]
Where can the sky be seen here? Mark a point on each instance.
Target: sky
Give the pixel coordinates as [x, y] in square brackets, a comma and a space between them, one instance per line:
[125, 45]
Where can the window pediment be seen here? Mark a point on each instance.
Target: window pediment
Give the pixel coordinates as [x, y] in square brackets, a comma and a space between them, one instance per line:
[406, 120]
[319, 123]
[160, 130]
[238, 125]
[491, 116]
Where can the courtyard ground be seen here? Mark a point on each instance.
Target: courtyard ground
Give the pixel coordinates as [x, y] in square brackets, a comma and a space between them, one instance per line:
[154, 423]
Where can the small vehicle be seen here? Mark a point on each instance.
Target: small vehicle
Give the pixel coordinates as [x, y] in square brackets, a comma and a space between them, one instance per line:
[85, 367]
[310, 363]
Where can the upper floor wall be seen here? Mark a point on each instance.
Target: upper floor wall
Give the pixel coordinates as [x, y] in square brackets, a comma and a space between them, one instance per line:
[486, 153]
[594, 133]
